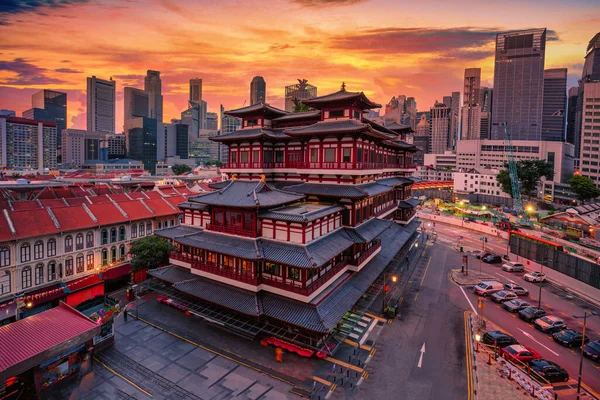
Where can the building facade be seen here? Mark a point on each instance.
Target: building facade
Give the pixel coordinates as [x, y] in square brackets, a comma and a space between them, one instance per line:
[136, 103]
[440, 127]
[258, 90]
[471, 107]
[153, 86]
[481, 183]
[27, 144]
[195, 90]
[518, 84]
[572, 115]
[554, 111]
[142, 141]
[80, 146]
[446, 160]
[590, 132]
[101, 105]
[299, 91]
[51, 106]
[589, 74]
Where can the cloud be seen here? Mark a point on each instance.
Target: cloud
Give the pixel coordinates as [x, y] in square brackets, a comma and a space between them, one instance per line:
[68, 71]
[326, 3]
[11, 7]
[277, 48]
[27, 74]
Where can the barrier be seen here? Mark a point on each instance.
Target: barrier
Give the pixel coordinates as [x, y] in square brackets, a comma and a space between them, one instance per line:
[474, 226]
[532, 387]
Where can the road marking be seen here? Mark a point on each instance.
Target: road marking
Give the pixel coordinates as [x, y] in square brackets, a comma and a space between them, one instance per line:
[343, 364]
[416, 295]
[425, 273]
[531, 337]
[323, 381]
[376, 317]
[355, 344]
[421, 357]
[122, 377]
[468, 356]
[471, 304]
[366, 335]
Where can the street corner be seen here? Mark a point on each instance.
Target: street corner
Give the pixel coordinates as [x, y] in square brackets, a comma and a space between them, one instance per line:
[474, 277]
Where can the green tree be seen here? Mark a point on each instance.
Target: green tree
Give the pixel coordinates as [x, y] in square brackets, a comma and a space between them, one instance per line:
[150, 252]
[584, 188]
[179, 169]
[530, 174]
[299, 106]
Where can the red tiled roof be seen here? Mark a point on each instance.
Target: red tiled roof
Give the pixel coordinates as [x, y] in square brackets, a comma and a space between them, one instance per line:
[99, 199]
[168, 190]
[135, 210]
[5, 233]
[24, 339]
[53, 203]
[77, 201]
[106, 213]
[63, 192]
[47, 194]
[101, 190]
[184, 190]
[4, 205]
[72, 218]
[138, 195]
[175, 200]
[30, 223]
[25, 205]
[153, 194]
[120, 197]
[161, 207]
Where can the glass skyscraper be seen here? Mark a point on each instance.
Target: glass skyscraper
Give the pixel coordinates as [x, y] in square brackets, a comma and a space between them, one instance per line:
[258, 90]
[555, 104]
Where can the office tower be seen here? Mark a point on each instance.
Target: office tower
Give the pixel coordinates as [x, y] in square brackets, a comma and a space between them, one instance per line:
[142, 135]
[7, 113]
[518, 84]
[422, 139]
[487, 95]
[227, 124]
[454, 120]
[153, 86]
[300, 91]
[590, 128]
[258, 90]
[590, 73]
[212, 121]
[101, 104]
[195, 90]
[471, 109]
[554, 105]
[173, 142]
[571, 113]
[410, 117]
[195, 117]
[51, 106]
[440, 127]
[137, 103]
[27, 144]
[80, 146]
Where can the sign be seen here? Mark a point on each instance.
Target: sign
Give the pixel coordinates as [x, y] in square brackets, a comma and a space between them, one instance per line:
[465, 260]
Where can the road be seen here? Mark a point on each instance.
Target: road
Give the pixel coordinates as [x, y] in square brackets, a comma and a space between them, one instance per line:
[554, 301]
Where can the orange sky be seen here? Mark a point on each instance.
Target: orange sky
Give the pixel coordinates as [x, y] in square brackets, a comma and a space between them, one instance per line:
[383, 48]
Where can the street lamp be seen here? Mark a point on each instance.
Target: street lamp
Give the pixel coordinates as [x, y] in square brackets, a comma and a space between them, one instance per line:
[394, 279]
[542, 264]
[584, 316]
[477, 340]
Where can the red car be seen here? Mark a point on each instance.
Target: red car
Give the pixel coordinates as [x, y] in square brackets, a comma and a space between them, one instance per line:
[519, 352]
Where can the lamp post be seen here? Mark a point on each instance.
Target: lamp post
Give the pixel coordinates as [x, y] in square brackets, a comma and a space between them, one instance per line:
[394, 279]
[542, 263]
[584, 316]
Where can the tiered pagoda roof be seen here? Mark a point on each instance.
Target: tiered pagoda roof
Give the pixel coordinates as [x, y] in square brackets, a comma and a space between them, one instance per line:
[259, 109]
[341, 96]
[247, 194]
[251, 133]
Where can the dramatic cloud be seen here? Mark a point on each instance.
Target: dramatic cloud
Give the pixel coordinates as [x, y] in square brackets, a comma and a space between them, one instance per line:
[27, 74]
[8, 7]
[68, 71]
[327, 3]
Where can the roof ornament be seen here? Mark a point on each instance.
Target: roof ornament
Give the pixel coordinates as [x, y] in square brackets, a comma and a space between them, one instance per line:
[234, 177]
[263, 178]
[344, 86]
[261, 100]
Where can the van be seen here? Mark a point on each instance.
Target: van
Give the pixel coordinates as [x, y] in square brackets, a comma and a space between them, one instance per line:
[486, 288]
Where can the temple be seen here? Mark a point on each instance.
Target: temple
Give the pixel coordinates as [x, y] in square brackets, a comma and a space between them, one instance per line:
[315, 206]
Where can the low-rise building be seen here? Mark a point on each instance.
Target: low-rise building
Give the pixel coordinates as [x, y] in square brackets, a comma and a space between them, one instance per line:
[480, 186]
[444, 160]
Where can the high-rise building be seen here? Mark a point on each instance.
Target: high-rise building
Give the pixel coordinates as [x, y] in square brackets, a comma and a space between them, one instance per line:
[27, 144]
[518, 84]
[153, 86]
[258, 90]
[410, 116]
[554, 105]
[51, 106]
[195, 90]
[142, 141]
[471, 109]
[195, 117]
[572, 114]
[422, 138]
[173, 142]
[101, 104]
[136, 102]
[300, 91]
[440, 127]
[454, 120]
[7, 113]
[212, 121]
[590, 129]
[590, 73]
[80, 146]
[487, 95]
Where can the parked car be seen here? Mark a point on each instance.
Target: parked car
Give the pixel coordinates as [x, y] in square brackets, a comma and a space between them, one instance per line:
[503, 295]
[549, 370]
[535, 277]
[482, 254]
[498, 338]
[486, 288]
[492, 259]
[519, 290]
[592, 350]
[531, 314]
[513, 267]
[569, 338]
[518, 352]
[515, 305]
[549, 324]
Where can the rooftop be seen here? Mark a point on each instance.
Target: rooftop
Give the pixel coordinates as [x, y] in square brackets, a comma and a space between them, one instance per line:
[341, 96]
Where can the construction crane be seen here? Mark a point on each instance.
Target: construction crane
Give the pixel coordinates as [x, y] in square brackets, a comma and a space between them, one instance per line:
[514, 181]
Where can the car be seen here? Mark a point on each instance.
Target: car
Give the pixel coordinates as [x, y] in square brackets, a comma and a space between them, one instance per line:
[482, 254]
[549, 370]
[515, 305]
[492, 259]
[549, 324]
[518, 352]
[485, 288]
[503, 296]
[569, 338]
[535, 277]
[531, 314]
[592, 350]
[498, 338]
[519, 290]
[513, 267]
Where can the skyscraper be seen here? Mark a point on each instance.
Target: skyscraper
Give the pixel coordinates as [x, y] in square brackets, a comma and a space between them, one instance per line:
[101, 104]
[518, 84]
[300, 91]
[590, 73]
[440, 127]
[153, 86]
[25, 143]
[454, 120]
[212, 121]
[136, 102]
[195, 90]
[258, 90]
[487, 95]
[51, 106]
[589, 149]
[422, 139]
[572, 114]
[554, 105]
[142, 135]
[471, 109]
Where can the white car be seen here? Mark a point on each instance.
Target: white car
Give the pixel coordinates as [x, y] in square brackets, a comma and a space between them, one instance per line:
[535, 277]
[513, 267]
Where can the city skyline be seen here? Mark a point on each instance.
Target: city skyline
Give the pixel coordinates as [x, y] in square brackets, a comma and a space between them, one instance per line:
[332, 42]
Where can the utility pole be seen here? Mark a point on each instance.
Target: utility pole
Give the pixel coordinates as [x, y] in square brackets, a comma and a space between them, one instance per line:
[542, 263]
[584, 316]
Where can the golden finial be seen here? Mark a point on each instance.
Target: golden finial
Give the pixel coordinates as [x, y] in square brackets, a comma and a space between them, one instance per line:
[263, 178]
[343, 85]
[234, 177]
[260, 100]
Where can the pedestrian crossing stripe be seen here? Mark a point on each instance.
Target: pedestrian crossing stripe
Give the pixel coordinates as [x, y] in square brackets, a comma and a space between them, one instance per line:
[365, 375]
[332, 388]
[372, 352]
[363, 324]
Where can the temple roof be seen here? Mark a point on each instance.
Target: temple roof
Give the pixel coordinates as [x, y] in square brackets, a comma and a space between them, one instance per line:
[401, 144]
[298, 116]
[329, 190]
[373, 188]
[251, 133]
[336, 126]
[395, 181]
[399, 128]
[247, 194]
[284, 214]
[409, 203]
[257, 109]
[341, 96]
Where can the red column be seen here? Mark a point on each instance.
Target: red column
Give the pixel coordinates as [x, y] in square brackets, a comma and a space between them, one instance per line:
[339, 157]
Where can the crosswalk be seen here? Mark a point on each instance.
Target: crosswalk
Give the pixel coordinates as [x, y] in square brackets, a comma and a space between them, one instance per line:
[356, 326]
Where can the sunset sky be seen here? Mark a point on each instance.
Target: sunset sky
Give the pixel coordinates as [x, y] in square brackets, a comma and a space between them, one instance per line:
[384, 48]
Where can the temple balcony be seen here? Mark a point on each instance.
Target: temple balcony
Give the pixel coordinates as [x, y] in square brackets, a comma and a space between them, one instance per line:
[361, 259]
[232, 230]
[296, 165]
[213, 268]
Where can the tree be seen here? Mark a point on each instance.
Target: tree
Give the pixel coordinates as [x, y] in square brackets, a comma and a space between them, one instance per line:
[583, 187]
[150, 252]
[179, 169]
[299, 106]
[530, 173]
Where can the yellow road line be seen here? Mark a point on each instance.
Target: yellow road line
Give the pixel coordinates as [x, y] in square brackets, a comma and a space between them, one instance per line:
[355, 344]
[323, 381]
[589, 389]
[416, 295]
[343, 364]
[122, 377]
[375, 316]
[425, 273]
[468, 356]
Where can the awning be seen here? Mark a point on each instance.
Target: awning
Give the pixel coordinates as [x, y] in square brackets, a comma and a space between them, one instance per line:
[116, 272]
[90, 280]
[45, 294]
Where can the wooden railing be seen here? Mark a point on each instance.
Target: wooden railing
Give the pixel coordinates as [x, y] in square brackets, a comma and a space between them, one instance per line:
[297, 287]
[231, 230]
[391, 206]
[314, 165]
[221, 270]
[367, 253]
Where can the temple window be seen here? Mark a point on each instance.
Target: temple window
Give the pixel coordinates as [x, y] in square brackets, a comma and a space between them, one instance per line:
[227, 262]
[294, 273]
[246, 268]
[279, 156]
[255, 156]
[243, 156]
[356, 114]
[336, 113]
[314, 155]
[273, 269]
[251, 122]
[211, 258]
[268, 155]
[347, 154]
[329, 155]
[234, 156]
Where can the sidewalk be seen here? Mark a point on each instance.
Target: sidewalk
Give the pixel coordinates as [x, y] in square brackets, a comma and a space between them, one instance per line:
[472, 279]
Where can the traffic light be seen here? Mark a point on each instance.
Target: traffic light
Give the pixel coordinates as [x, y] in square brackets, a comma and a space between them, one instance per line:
[386, 288]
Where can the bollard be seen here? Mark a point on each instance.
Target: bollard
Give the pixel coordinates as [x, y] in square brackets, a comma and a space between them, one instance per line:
[349, 359]
[359, 363]
[489, 359]
[348, 373]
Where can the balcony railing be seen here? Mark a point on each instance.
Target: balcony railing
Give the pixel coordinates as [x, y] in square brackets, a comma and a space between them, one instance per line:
[366, 254]
[231, 230]
[391, 206]
[315, 165]
[220, 270]
[297, 286]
